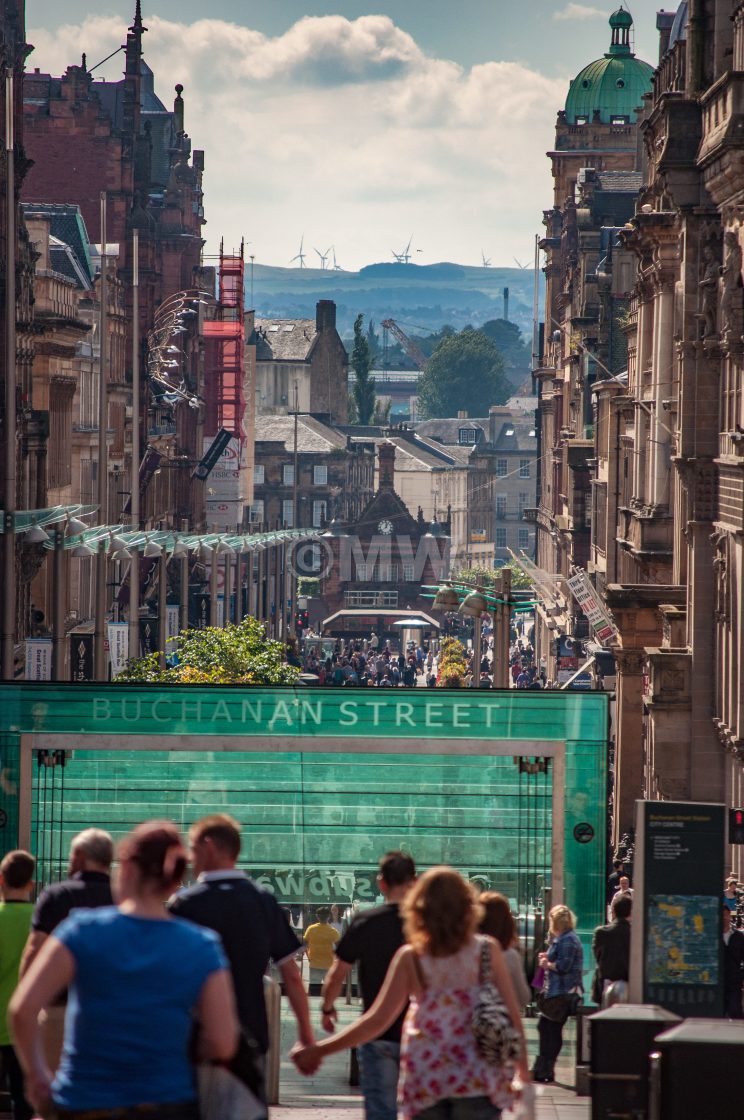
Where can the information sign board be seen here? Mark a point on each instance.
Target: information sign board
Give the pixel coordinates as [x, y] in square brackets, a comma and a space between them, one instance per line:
[676, 949]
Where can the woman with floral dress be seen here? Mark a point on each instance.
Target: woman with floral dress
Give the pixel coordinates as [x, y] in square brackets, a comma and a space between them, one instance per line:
[443, 1076]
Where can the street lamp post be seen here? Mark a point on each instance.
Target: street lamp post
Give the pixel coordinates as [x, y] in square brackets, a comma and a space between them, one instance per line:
[99, 651]
[9, 422]
[134, 483]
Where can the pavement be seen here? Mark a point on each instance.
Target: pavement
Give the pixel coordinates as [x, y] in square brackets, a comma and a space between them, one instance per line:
[327, 1094]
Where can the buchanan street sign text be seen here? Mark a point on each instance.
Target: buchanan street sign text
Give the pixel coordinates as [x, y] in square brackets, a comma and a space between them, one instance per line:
[89, 709]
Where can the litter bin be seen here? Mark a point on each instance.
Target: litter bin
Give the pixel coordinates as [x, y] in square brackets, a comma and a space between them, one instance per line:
[621, 1039]
[698, 1071]
[583, 1050]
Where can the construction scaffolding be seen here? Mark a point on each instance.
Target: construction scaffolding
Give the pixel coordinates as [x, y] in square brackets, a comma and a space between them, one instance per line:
[224, 375]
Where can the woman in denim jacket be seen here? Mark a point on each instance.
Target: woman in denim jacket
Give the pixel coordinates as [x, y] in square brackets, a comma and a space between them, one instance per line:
[563, 963]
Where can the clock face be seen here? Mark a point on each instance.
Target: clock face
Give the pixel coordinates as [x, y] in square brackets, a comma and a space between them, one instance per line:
[385, 527]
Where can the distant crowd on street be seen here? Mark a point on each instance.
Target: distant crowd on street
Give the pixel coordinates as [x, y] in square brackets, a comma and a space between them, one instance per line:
[365, 662]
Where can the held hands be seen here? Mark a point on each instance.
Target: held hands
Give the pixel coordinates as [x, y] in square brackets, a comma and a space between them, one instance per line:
[38, 1090]
[306, 1058]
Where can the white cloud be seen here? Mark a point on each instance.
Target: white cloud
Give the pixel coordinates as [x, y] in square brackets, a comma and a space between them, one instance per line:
[345, 130]
[578, 11]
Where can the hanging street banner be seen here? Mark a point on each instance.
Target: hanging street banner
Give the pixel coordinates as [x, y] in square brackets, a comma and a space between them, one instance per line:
[586, 596]
[38, 659]
[118, 637]
[81, 657]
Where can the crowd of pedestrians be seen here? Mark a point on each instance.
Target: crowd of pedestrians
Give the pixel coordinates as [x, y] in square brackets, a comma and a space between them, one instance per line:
[368, 662]
[103, 981]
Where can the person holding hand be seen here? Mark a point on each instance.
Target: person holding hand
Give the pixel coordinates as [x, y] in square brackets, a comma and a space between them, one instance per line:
[439, 971]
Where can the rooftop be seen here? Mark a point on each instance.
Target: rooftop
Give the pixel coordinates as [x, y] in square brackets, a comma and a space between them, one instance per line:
[611, 88]
[283, 340]
[313, 436]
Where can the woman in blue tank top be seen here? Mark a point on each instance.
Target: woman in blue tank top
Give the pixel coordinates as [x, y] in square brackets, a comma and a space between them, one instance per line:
[136, 979]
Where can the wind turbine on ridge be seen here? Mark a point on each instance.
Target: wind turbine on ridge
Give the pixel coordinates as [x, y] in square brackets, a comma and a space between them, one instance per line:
[300, 256]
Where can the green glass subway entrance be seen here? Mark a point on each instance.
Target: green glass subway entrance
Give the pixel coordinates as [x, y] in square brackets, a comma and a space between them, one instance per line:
[315, 825]
[510, 787]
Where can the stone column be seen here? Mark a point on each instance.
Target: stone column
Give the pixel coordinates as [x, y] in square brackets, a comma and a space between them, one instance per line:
[628, 738]
[659, 473]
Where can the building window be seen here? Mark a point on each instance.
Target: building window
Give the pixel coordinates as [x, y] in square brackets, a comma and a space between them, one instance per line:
[370, 599]
[314, 559]
[501, 467]
[288, 513]
[320, 476]
[501, 537]
[524, 468]
[361, 572]
[523, 538]
[259, 474]
[288, 474]
[319, 514]
[257, 512]
[408, 573]
[468, 435]
[387, 573]
[501, 506]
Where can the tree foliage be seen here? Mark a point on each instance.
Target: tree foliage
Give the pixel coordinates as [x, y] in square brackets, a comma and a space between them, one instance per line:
[486, 577]
[363, 389]
[218, 655]
[514, 351]
[464, 372]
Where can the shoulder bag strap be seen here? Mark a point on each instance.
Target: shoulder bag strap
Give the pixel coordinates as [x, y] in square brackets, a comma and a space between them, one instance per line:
[485, 962]
[419, 971]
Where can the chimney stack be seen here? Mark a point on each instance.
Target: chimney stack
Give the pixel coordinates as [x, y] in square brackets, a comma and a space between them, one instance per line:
[386, 455]
[325, 315]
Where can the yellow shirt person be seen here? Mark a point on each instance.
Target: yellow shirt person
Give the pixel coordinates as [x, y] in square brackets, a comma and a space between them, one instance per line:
[319, 941]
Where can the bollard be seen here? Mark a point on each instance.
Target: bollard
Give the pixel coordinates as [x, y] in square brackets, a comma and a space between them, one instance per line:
[273, 998]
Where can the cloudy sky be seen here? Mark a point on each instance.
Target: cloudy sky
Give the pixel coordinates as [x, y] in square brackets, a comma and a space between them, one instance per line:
[358, 125]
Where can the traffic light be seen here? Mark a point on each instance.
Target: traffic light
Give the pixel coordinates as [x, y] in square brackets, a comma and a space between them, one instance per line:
[736, 826]
[301, 620]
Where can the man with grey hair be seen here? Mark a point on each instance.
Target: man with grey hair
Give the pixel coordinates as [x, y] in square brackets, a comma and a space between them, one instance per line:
[88, 886]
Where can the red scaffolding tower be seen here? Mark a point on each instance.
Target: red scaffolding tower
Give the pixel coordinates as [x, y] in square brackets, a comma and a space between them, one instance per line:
[225, 353]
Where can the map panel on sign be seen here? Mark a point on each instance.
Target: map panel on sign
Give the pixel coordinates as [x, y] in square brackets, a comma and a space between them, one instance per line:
[682, 935]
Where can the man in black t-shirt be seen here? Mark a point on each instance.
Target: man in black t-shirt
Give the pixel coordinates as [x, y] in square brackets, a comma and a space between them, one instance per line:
[253, 928]
[88, 886]
[372, 940]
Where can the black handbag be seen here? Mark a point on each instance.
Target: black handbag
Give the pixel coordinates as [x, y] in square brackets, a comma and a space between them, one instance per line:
[498, 1040]
[558, 1008]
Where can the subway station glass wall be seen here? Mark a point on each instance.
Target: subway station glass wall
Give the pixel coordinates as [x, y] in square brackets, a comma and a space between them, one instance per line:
[316, 820]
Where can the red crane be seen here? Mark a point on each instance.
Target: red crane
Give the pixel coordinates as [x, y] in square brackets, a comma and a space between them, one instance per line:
[414, 352]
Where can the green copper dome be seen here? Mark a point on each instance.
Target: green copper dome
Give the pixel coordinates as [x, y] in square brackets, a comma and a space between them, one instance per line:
[612, 86]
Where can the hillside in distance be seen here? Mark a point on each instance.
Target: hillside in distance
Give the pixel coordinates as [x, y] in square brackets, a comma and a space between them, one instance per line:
[417, 296]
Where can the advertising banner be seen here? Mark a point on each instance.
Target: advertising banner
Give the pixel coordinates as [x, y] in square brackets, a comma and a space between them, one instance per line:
[225, 496]
[118, 638]
[38, 659]
[676, 939]
[586, 596]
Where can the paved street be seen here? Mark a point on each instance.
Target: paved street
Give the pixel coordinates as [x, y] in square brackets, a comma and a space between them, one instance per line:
[327, 1093]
